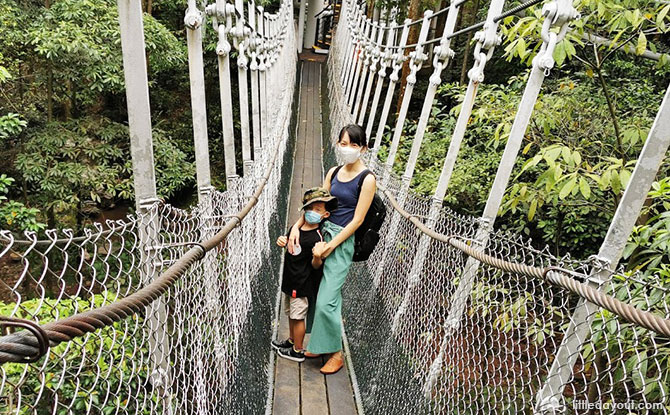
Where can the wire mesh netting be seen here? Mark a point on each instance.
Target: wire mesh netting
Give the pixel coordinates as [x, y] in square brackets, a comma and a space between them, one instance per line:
[435, 331]
[195, 348]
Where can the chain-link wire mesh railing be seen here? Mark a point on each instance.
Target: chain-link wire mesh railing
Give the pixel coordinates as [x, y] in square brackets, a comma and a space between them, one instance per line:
[188, 347]
[506, 351]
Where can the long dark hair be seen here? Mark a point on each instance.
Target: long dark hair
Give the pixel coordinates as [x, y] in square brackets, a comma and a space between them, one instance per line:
[356, 135]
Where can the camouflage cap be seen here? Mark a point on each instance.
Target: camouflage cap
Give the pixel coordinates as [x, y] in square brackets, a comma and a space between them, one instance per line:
[319, 194]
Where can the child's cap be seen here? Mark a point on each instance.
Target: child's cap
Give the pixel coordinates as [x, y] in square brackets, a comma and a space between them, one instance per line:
[319, 194]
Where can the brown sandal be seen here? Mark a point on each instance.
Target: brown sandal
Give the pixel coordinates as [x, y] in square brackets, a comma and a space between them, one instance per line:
[333, 365]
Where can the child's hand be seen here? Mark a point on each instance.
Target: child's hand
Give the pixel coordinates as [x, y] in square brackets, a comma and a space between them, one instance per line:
[282, 240]
[319, 249]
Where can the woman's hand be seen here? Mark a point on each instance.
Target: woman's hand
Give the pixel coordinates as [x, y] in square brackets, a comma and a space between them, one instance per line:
[281, 241]
[322, 250]
[293, 238]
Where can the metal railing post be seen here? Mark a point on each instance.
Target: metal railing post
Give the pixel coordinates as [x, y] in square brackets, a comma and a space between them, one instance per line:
[193, 22]
[557, 13]
[416, 59]
[141, 148]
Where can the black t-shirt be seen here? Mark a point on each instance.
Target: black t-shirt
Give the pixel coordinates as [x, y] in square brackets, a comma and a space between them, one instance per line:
[299, 275]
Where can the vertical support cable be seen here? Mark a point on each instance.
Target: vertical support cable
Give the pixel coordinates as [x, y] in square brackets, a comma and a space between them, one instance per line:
[262, 68]
[241, 36]
[352, 53]
[417, 57]
[141, 148]
[557, 13]
[255, 104]
[442, 56]
[222, 23]
[353, 81]
[352, 27]
[549, 398]
[397, 58]
[385, 61]
[193, 22]
[368, 50]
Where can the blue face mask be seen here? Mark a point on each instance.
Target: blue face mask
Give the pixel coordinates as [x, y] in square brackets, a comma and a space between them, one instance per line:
[312, 217]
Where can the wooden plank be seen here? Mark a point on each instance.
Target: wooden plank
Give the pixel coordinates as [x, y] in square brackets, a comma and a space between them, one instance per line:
[340, 393]
[313, 388]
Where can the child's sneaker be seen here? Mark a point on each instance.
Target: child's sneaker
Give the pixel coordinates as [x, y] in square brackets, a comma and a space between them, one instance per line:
[291, 354]
[281, 345]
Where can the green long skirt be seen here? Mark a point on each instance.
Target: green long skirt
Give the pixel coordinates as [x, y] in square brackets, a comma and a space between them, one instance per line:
[326, 336]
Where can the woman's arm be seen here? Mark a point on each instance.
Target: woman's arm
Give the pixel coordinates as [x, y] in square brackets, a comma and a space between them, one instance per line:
[364, 201]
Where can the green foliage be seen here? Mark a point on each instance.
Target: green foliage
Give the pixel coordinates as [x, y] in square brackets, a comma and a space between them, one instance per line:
[11, 125]
[628, 24]
[104, 362]
[14, 215]
[82, 164]
[648, 249]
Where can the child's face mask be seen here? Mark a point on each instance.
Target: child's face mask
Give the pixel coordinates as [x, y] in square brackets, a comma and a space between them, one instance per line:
[312, 217]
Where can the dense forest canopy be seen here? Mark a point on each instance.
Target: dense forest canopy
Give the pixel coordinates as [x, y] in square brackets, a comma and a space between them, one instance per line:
[64, 138]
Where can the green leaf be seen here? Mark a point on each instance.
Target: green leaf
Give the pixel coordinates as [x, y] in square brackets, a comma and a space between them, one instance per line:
[641, 44]
[567, 187]
[584, 188]
[532, 209]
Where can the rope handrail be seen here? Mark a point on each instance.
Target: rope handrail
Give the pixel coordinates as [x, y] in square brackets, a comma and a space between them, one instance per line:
[25, 346]
[554, 275]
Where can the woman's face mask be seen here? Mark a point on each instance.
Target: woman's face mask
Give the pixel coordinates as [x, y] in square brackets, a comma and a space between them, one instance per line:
[312, 217]
[348, 155]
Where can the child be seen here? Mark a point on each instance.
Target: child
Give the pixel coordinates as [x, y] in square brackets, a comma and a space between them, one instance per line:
[303, 271]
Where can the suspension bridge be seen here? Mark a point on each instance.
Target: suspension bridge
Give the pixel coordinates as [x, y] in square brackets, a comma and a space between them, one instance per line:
[172, 311]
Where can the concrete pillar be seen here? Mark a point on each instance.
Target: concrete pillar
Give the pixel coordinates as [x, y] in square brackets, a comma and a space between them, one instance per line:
[313, 8]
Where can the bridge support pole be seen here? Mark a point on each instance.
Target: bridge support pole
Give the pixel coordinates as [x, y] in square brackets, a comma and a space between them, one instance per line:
[557, 13]
[242, 45]
[357, 30]
[141, 148]
[358, 68]
[301, 25]
[416, 60]
[313, 7]
[352, 28]
[255, 92]
[222, 22]
[263, 72]
[368, 52]
[550, 398]
[443, 54]
[384, 63]
[193, 22]
[397, 61]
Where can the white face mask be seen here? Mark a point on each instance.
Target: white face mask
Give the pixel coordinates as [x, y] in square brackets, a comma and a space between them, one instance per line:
[348, 155]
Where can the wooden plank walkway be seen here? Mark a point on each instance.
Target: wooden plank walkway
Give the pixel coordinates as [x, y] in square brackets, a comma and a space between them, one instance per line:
[301, 388]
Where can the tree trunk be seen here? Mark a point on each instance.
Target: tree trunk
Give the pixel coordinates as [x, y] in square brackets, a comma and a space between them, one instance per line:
[413, 14]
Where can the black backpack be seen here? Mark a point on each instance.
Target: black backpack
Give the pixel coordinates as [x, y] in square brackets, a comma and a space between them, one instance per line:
[367, 235]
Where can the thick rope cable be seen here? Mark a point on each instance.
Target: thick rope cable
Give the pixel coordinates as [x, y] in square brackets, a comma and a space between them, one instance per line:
[24, 346]
[554, 275]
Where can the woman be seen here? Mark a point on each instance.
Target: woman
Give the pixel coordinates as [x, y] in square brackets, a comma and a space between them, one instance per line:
[338, 248]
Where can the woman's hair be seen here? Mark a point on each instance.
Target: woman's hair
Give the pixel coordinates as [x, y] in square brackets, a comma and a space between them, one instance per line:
[356, 135]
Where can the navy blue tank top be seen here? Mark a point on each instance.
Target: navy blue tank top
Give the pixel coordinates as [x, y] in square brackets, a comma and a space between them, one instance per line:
[347, 199]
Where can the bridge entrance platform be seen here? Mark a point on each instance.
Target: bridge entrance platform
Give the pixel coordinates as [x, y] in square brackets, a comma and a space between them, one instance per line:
[299, 388]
